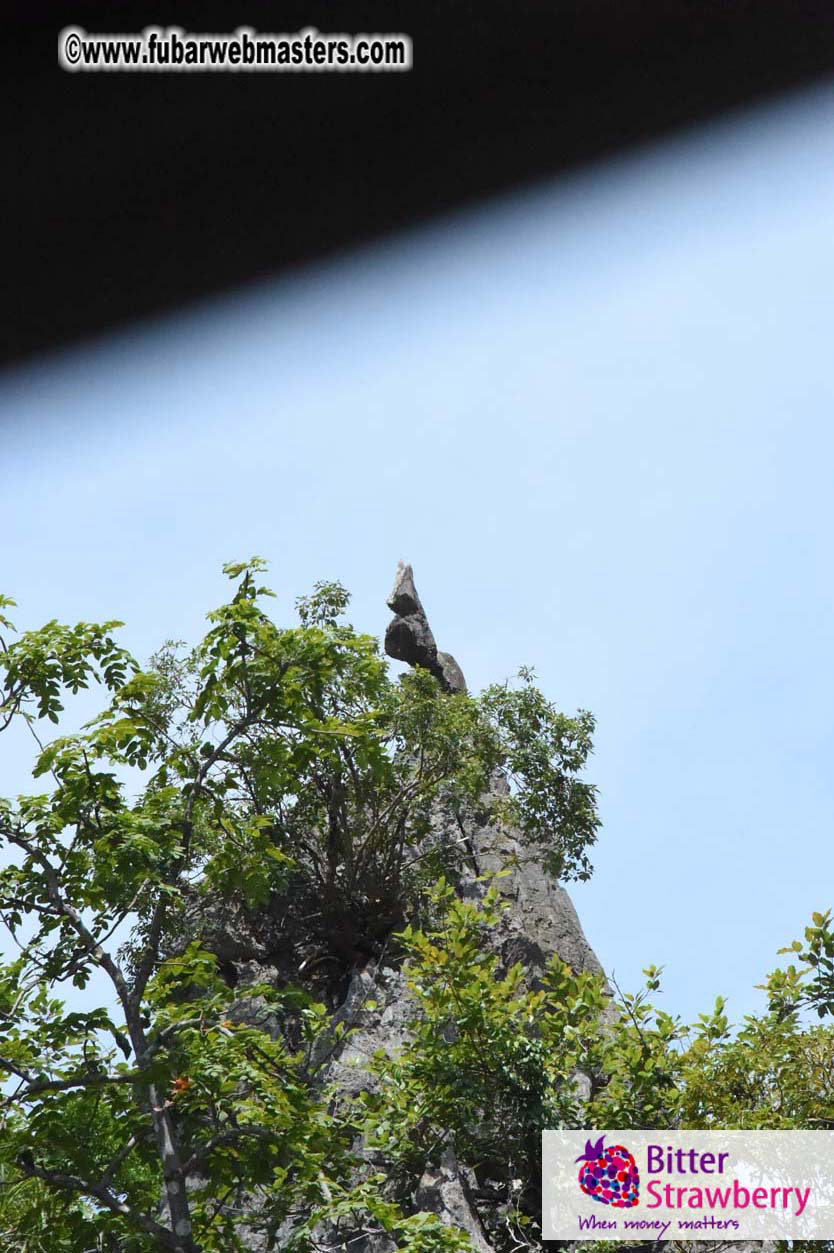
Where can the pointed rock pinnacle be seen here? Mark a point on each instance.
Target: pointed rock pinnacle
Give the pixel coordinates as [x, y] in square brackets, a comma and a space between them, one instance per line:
[409, 637]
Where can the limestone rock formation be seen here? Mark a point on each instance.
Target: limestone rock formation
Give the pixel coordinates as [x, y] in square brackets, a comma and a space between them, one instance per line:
[409, 637]
[541, 920]
[373, 1002]
[445, 1190]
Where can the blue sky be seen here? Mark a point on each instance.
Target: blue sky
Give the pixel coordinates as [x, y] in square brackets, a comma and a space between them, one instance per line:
[597, 418]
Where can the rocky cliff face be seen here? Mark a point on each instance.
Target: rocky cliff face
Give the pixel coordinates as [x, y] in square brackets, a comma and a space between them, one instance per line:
[372, 999]
[539, 921]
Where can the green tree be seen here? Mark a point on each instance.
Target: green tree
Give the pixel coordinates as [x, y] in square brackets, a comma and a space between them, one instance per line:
[492, 1061]
[276, 767]
[280, 770]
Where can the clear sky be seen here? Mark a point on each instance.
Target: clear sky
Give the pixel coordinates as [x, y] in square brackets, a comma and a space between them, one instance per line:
[598, 419]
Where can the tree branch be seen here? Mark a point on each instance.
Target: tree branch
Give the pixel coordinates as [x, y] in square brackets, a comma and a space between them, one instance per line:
[87, 1079]
[102, 1194]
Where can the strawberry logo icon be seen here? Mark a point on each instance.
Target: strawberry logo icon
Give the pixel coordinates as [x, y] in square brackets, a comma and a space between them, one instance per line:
[609, 1175]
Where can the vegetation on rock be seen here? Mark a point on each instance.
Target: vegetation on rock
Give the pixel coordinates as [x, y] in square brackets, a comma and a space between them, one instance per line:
[282, 770]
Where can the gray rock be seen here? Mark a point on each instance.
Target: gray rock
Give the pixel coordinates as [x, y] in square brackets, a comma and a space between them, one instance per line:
[540, 920]
[404, 599]
[409, 637]
[443, 1190]
[451, 675]
[376, 1011]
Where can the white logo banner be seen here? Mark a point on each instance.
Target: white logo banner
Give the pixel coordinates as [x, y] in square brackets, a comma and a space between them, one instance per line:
[688, 1185]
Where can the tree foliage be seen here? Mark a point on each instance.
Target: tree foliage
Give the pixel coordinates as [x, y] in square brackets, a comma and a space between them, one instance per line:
[283, 771]
[281, 768]
[492, 1061]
